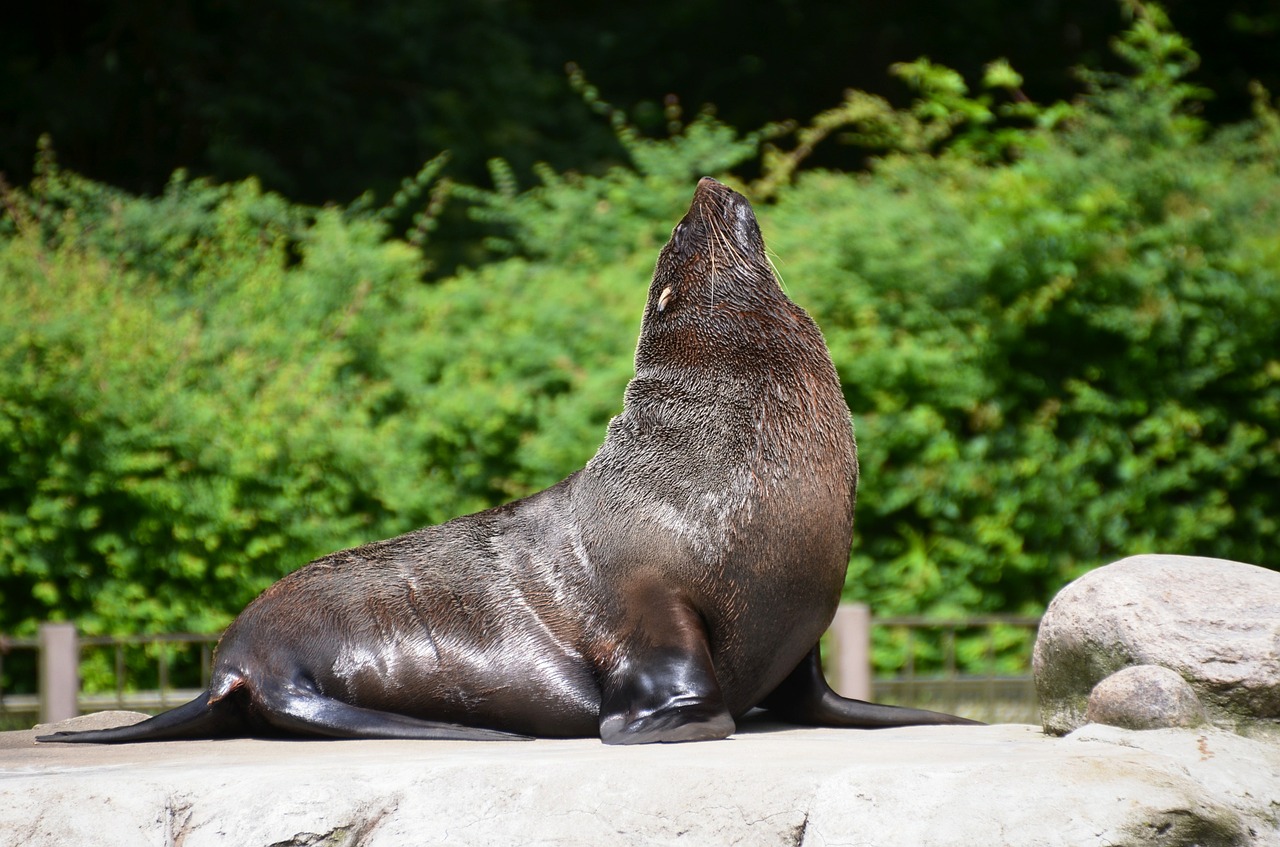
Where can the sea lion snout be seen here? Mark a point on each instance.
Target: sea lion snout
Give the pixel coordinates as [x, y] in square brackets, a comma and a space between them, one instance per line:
[718, 218]
[707, 184]
[713, 197]
[714, 256]
[719, 206]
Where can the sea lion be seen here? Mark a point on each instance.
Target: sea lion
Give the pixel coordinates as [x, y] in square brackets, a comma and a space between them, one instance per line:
[680, 579]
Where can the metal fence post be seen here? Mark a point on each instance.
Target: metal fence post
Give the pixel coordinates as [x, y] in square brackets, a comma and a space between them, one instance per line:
[59, 672]
[851, 643]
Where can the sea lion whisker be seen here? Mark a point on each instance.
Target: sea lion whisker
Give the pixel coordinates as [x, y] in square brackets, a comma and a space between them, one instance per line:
[773, 266]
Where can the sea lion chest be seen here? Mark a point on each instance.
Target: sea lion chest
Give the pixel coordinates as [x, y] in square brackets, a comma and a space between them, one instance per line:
[735, 493]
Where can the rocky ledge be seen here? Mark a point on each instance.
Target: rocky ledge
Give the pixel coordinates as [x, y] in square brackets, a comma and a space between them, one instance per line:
[1161, 674]
[767, 785]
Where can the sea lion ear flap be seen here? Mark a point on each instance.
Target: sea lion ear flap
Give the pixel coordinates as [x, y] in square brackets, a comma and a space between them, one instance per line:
[665, 298]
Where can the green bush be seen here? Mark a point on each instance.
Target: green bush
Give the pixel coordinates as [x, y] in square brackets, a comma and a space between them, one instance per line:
[182, 399]
[1056, 327]
[1058, 360]
[201, 392]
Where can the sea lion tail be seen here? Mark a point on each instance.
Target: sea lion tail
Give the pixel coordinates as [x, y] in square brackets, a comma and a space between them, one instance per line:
[859, 714]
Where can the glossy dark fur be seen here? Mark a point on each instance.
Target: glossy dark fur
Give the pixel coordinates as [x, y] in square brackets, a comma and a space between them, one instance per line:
[678, 580]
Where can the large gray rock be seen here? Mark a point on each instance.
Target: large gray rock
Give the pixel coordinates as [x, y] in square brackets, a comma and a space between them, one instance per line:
[918, 786]
[1214, 623]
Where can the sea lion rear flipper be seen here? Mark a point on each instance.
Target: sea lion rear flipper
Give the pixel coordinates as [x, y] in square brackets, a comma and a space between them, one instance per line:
[291, 708]
[804, 697]
[300, 709]
[664, 688]
[196, 719]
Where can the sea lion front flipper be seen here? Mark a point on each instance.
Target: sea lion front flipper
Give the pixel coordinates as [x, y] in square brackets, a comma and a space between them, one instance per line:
[804, 697]
[664, 687]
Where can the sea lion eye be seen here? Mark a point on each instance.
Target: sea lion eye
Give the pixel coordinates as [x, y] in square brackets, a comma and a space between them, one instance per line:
[664, 298]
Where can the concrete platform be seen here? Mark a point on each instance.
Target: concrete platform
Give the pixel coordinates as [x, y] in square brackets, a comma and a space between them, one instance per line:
[765, 786]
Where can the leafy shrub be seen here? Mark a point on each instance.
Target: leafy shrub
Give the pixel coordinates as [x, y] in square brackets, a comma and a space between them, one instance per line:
[1060, 360]
[201, 392]
[1056, 328]
[182, 402]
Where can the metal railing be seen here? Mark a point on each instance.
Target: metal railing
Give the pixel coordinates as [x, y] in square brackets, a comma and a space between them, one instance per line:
[18, 711]
[141, 668]
[46, 673]
[1003, 692]
[165, 694]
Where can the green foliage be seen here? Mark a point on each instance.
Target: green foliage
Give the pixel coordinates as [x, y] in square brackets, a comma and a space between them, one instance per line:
[1056, 327]
[175, 413]
[571, 218]
[1060, 360]
[943, 113]
[201, 392]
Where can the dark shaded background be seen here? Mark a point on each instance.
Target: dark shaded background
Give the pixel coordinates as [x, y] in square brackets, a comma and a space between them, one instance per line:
[323, 99]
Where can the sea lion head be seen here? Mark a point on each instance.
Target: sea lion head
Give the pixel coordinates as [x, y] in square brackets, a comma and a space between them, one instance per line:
[716, 249]
[714, 293]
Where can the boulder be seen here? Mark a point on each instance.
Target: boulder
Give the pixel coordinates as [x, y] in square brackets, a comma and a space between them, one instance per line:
[1213, 623]
[1145, 697]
